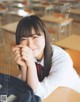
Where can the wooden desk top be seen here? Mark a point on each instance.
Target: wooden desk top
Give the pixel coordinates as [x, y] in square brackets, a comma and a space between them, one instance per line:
[71, 42]
[4, 2]
[70, 1]
[11, 27]
[63, 94]
[35, 0]
[74, 1]
[18, 1]
[3, 10]
[59, 3]
[40, 6]
[58, 20]
[74, 11]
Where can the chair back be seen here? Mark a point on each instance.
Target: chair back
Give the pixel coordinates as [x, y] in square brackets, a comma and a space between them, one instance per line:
[75, 56]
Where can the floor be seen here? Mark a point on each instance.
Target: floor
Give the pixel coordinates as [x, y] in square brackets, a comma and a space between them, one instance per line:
[7, 64]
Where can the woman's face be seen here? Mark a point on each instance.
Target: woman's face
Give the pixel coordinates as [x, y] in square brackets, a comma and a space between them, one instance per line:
[36, 43]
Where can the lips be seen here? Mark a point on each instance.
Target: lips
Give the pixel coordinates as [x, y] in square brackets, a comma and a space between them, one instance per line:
[35, 51]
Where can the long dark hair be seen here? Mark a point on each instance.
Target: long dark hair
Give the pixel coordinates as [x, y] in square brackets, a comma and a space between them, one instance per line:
[24, 29]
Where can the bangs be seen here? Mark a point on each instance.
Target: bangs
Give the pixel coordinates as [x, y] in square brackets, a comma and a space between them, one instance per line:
[26, 30]
[25, 26]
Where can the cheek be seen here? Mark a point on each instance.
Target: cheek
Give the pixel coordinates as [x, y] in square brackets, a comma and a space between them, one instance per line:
[23, 43]
[41, 43]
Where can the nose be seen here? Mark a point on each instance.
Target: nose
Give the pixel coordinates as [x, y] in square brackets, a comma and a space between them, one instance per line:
[30, 43]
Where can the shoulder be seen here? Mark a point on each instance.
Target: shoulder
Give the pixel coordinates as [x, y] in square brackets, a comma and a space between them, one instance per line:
[59, 52]
[60, 57]
[57, 48]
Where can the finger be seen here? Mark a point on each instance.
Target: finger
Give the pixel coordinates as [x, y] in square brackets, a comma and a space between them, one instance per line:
[25, 53]
[25, 58]
[17, 47]
[25, 48]
[17, 56]
[16, 52]
[20, 61]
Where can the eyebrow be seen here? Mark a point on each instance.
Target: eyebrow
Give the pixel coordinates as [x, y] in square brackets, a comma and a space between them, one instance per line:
[24, 38]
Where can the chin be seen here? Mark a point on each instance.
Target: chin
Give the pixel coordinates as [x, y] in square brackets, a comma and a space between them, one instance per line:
[35, 55]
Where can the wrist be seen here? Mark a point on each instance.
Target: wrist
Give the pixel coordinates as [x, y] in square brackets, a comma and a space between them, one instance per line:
[23, 67]
[31, 65]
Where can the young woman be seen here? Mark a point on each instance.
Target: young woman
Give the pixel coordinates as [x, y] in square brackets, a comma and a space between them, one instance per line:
[33, 46]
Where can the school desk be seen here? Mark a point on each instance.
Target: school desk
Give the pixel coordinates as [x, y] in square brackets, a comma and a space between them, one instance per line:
[63, 94]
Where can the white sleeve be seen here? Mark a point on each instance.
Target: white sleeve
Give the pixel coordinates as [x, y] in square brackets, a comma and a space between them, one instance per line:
[61, 74]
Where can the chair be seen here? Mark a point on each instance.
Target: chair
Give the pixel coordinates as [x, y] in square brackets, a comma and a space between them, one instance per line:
[75, 56]
[49, 10]
[52, 31]
[53, 35]
[64, 26]
[3, 9]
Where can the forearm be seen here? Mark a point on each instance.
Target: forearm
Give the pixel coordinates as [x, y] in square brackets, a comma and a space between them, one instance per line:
[24, 73]
[32, 78]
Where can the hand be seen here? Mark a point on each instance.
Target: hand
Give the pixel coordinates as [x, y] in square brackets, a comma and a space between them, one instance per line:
[17, 55]
[27, 55]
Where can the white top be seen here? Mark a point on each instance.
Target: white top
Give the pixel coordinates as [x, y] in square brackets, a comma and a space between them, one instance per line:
[62, 74]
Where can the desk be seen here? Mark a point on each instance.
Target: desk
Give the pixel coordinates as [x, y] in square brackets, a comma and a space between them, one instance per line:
[74, 3]
[17, 1]
[63, 94]
[71, 42]
[75, 14]
[70, 1]
[40, 8]
[74, 11]
[5, 3]
[59, 21]
[3, 10]
[59, 3]
[35, 1]
[61, 6]
[11, 27]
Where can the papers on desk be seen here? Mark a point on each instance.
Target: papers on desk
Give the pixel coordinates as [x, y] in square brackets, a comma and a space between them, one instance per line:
[22, 12]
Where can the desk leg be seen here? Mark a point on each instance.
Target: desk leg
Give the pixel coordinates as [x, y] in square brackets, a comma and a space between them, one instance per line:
[70, 28]
[59, 32]
[65, 30]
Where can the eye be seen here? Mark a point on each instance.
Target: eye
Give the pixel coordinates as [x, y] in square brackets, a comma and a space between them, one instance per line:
[23, 39]
[36, 36]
